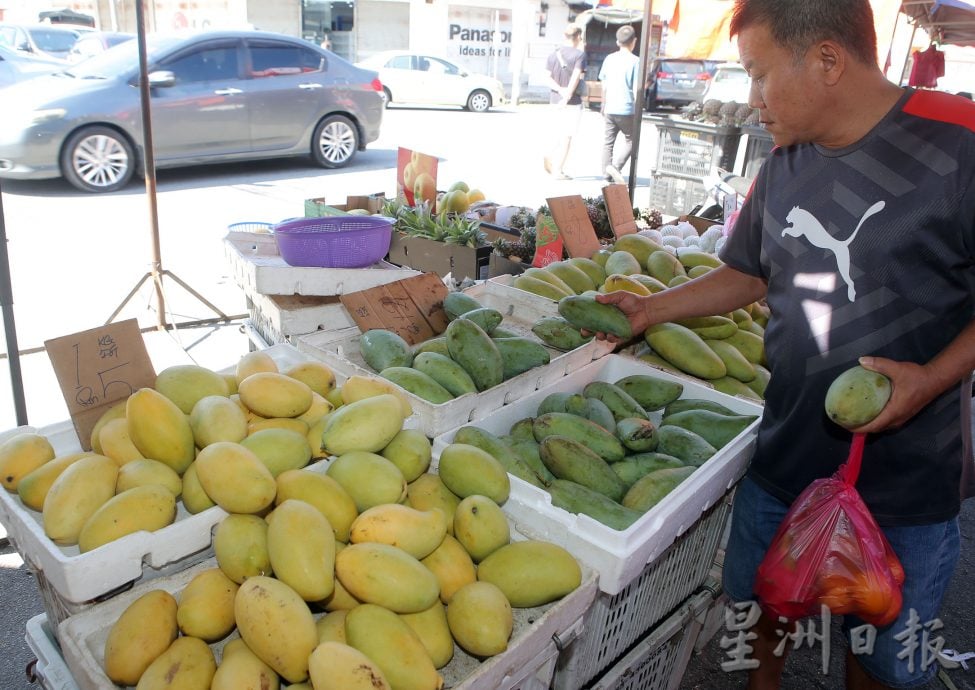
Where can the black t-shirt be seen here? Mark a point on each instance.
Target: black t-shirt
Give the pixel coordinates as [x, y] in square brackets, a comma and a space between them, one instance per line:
[560, 64]
[867, 250]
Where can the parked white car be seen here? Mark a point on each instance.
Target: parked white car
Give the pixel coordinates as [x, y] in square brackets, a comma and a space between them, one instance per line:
[729, 83]
[410, 77]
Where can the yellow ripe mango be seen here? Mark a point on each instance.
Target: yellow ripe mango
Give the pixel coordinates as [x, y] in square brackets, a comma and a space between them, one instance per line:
[231, 380]
[366, 425]
[369, 479]
[331, 626]
[254, 363]
[241, 669]
[21, 455]
[428, 491]
[335, 397]
[143, 508]
[319, 408]
[358, 388]
[277, 626]
[240, 545]
[418, 532]
[115, 442]
[531, 573]
[322, 492]
[298, 426]
[33, 486]
[385, 638]
[235, 478]
[279, 449]
[187, 664]
[452, 566]
[316, 375]
[388, 576]
[434, 632]
[142, 633]
[480, 526]
[301, 545]
[186, 384]
[410, 451]
[314, 438]
[145, 472]
[618, 281]
[159, 429]
[195, 499]
[75, 495]
[116, 411]
[271, 394]
[206, 606]
[217, 418]
[337, 666]
[480, 619]
[467, 470]
[340, 599]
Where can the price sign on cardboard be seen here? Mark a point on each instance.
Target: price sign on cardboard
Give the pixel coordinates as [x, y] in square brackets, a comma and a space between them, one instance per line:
[98, 368]
[574, 225]
[411, 167]
[548, 242]
[617, 199]
[412, 308]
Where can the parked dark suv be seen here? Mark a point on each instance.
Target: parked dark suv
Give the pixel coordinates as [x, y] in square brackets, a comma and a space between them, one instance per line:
[677, 81]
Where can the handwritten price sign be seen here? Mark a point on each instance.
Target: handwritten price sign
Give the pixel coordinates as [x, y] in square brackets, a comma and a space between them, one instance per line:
[98, 368]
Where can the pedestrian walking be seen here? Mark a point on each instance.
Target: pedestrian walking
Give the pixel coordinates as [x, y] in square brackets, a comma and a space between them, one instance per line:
[858, 264]
[565, 70]
[621, 85]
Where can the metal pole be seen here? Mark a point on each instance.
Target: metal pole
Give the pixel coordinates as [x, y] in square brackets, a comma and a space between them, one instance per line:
[9, 327]
[638, 106]
[149, 164]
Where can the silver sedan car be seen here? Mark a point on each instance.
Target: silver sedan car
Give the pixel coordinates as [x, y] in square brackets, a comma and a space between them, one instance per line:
[215, 97]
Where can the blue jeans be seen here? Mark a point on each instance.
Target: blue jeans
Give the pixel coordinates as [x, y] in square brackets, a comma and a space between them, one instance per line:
[928, 554]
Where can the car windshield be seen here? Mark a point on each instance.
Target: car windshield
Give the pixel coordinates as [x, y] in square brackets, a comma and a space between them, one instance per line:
[119, 59]
[52, 40]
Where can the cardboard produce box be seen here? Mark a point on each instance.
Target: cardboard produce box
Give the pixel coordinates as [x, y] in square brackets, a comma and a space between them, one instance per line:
[441, 258]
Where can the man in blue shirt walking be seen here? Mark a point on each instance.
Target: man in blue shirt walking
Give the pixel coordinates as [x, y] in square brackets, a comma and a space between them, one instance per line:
[620, 78]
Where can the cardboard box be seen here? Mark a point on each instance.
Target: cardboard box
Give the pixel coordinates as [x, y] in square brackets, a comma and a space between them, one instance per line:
[317, 208]
[428, 256]
[501, 266]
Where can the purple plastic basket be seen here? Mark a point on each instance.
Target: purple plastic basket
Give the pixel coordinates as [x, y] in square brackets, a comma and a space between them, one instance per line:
[334, 241]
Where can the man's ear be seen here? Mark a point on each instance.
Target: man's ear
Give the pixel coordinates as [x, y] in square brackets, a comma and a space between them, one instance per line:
[830, 61]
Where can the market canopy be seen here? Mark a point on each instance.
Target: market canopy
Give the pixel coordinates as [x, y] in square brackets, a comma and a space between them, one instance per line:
[945, 21]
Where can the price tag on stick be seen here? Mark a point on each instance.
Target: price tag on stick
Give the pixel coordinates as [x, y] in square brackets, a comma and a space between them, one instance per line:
[617, 199]
[98, 368]
[574, 225]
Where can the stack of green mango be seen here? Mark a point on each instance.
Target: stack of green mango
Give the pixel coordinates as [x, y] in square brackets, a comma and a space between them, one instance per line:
[472, 355]
[597, 452]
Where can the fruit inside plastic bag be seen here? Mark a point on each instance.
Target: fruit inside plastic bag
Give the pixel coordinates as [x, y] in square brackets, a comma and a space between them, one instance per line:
[830, 551]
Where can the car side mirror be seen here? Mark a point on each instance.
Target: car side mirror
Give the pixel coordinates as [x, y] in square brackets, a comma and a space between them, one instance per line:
[161, 78]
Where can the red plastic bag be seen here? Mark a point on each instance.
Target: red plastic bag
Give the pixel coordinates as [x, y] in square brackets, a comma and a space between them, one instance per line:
[830, 551]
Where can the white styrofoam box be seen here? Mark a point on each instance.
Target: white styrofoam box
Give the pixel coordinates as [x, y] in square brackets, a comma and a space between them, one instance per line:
[340, 350]
[279, 318]
[527, 664]
[70, 580]
[620, 555]
[659, 660]
[50, 670]
[258, 267]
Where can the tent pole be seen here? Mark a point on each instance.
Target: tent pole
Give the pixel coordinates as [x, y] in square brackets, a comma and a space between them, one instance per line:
[9, 327]
[907, 55]
[638, 106]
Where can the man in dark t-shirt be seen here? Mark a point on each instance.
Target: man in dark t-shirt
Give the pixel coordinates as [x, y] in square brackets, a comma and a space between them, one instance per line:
[859, 231]
[565, 71]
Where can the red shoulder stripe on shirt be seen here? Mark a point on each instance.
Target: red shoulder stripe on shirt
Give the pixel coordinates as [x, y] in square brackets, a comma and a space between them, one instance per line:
[944, 107]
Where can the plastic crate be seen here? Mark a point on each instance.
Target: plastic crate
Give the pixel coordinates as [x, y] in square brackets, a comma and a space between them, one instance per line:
[676, 196]
[622, 556]
[616, 621]
[340, 350]
[659, 660]
[758, 146]
[281, 318]
[527, 664]
[693, 148]
[50, 669]
[70, 581]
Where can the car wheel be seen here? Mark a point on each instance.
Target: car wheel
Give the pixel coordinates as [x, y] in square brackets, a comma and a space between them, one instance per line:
[479, 101]
[389, 96]
[335, 141]
[97, 159]
[652, 102]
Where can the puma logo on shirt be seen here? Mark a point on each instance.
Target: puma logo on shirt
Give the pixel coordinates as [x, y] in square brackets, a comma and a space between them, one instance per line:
[805, 224]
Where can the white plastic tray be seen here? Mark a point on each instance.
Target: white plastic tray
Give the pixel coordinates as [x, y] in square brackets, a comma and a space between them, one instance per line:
[258, 267]
[340, 350]
[529, 661]
[51, 670]
[620, 556]
[76, 578]
[279, 318]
